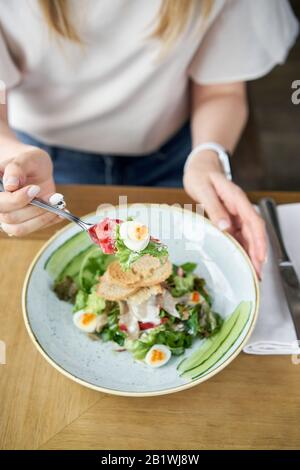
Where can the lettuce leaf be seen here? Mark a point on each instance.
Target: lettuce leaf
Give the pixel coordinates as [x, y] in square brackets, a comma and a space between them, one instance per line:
[80, 300]
[187, 282]
[95, 303]
[188, 267]
[90, 302]
[93, 266]
[126, 256]
[112, 332]
[177, 342]
[66, 289]
[182, 285]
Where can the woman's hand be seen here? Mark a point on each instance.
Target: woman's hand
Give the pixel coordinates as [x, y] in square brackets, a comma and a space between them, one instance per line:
[227, 205]
[26, 175]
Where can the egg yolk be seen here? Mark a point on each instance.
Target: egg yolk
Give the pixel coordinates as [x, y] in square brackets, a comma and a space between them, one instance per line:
[141, 232]
[87, 318]
[157, 356]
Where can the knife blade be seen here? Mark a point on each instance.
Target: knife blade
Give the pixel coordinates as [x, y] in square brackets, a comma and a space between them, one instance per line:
[288, 275]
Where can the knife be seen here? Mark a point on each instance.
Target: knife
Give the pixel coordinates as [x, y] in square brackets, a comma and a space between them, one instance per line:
[289, 278]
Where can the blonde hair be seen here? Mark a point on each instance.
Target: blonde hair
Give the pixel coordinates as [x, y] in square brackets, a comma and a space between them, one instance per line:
[171, 20]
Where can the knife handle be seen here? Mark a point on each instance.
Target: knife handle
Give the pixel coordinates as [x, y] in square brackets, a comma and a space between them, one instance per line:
[269, 212]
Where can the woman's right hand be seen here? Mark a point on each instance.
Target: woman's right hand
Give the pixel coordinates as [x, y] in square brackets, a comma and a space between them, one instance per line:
[26, 175]
[227, 205]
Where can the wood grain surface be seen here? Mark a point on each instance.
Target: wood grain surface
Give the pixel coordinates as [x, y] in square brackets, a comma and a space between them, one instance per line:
[253, 403]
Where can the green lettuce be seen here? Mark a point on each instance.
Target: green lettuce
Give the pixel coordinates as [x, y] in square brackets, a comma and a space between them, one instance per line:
[111, 331]
[182, 285]
[187, 282]
[126, 256]
[80, 300]
[90, 302]
[177, 341]
[93, 266]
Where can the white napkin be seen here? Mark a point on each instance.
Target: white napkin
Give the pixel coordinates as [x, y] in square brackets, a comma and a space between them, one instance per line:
[274, 332]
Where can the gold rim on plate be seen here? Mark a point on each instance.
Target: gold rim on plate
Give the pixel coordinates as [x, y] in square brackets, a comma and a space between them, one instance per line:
[110, 391]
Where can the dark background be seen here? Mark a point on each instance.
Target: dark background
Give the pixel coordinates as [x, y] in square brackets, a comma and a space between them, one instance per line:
[268, 156]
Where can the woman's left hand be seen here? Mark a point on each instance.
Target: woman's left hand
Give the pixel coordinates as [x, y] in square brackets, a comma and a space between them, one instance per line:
[227, 205]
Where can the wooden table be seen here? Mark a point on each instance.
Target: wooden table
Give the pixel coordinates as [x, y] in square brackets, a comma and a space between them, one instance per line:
[253, 403]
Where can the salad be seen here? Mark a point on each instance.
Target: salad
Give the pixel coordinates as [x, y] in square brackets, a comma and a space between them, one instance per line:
[126, 290]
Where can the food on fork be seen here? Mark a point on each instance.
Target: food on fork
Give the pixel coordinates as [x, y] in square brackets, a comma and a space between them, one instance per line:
[127, 240]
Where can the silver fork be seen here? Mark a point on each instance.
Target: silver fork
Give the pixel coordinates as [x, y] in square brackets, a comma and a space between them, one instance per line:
[47, 207]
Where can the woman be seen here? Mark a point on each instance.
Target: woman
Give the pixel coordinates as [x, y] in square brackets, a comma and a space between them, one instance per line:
[121, 91]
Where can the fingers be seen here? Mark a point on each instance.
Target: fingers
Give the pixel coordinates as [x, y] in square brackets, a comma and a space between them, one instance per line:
[29, 226]
[252, 225]
[216, 211]
[20, 215]
[12, 177]
[13, 201]
[31, 167]
[256, 232]
[258, 228]
[252, 250]
[229, 208]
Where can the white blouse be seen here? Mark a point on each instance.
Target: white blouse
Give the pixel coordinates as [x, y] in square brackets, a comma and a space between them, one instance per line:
[115, 94]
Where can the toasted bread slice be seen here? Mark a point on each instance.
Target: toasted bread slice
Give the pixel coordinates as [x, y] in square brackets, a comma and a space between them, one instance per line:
[146, 265]
[141, 269]
[143, 294]
[159, 275]
[114, 292]
[116, 275]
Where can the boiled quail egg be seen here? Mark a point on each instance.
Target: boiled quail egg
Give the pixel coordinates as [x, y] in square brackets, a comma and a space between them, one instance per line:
[135, 235]
[85, 321]
[158, 355]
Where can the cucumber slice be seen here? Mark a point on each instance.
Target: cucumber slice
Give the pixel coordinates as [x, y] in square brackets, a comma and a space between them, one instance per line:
[225, 346]
[73, 267]
[61, 257]
[209, 345]
[212, 344]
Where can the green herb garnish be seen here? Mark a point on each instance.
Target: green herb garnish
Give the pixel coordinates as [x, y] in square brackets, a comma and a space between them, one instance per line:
[126, 256]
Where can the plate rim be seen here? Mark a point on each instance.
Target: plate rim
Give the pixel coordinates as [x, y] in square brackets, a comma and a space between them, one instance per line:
[110, 391]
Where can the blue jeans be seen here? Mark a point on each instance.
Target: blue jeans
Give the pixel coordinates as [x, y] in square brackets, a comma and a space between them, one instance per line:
[163, 167]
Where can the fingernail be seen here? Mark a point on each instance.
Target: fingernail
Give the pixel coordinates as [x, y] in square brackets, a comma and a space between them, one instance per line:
[223, 224]
[33, 191]
[11, 181]
[266, 260]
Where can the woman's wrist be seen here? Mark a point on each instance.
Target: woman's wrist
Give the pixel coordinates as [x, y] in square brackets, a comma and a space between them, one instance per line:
[205, 161]
[199, 171]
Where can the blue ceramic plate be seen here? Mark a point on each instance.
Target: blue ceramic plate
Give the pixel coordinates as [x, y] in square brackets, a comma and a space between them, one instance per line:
[190, 237]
